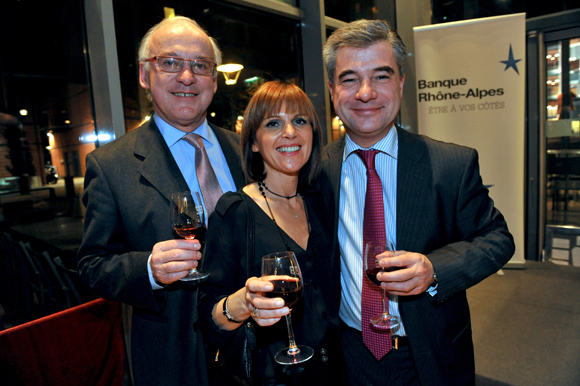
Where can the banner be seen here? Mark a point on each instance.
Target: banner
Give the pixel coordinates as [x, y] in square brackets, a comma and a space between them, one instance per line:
[471, 91]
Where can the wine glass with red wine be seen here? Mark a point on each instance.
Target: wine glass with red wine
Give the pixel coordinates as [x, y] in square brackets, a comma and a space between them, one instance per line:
[372, 251]
[282, 270]
[188, 221]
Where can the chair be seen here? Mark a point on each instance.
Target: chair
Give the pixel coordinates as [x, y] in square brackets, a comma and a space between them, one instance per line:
[58, 292]
[33, 282]
[70, 277]
[16, 296]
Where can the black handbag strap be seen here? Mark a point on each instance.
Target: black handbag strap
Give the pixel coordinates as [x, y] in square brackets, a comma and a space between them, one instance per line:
[251, 229]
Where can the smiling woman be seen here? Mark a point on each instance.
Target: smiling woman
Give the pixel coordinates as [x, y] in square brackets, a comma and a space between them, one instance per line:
[281, 145]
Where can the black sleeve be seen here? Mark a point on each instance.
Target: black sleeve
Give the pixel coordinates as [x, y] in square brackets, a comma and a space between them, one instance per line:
[224, 258]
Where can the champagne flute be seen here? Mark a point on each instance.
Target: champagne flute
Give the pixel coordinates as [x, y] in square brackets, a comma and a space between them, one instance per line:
[372, 268]
[282, 270]
[188, 221]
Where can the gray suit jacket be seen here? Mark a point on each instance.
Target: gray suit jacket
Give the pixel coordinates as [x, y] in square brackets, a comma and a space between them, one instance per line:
[444, 212]
[128, 183]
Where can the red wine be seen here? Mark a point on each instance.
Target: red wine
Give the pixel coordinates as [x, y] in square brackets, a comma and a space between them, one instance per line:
[189, 231]
[372, 274]
[286, 290]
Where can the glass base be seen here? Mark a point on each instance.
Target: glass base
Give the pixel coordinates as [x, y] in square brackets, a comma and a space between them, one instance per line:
[195, 275]
[303, 354]
[385, 321]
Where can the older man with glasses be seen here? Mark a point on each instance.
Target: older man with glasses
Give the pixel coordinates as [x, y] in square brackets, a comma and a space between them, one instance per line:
[129, 251]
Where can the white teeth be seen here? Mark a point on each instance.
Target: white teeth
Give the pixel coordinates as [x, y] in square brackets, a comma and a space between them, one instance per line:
[183, 94]
[288, 149]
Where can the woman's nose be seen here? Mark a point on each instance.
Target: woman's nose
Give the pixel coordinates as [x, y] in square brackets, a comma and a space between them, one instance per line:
[289, 130]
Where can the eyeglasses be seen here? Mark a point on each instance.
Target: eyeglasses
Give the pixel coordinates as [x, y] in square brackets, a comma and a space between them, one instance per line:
[173, 64]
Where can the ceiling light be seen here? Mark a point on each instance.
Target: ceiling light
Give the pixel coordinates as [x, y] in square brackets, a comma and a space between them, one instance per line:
[231, 72]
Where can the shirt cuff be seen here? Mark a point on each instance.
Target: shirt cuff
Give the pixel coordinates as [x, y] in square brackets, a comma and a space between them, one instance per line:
[432, 291]
[154, 285]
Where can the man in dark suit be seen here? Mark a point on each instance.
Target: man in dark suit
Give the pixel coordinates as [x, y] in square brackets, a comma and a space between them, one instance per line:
[447, 234]
[129, 252]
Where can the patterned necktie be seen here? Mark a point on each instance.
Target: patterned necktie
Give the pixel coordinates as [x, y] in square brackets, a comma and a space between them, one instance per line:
[208, 182]
[376, 339]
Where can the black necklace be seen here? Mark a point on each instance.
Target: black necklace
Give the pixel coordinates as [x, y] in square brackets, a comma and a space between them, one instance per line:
[262, 184]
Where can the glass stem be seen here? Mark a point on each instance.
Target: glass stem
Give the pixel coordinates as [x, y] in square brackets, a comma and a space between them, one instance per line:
[292, 348]
[385, 308]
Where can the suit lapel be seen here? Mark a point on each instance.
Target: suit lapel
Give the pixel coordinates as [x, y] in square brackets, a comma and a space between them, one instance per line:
[413, 176]
[332, 165]
[158, 167]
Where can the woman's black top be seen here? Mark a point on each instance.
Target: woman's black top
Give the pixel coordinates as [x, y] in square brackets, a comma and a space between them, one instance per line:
[315, 317]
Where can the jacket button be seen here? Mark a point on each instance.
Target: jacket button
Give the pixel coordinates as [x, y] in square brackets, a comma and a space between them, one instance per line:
[322, 351]
[324, 359]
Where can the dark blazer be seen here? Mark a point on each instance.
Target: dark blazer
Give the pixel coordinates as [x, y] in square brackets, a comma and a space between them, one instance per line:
[128, 183]
[444, 212]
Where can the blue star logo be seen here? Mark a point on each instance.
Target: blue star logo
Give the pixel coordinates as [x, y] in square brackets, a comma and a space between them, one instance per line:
[511, 62]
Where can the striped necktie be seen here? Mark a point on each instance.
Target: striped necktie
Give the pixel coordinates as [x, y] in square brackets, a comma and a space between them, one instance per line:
[208, 182]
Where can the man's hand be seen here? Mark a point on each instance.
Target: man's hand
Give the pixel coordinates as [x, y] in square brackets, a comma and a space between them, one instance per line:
[414, 276]
[172, 259]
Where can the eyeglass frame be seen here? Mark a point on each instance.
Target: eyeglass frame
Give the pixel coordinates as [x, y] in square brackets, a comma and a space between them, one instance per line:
[191, 61]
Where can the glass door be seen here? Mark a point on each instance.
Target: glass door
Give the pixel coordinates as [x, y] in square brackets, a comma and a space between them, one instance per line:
[563, 133]
[562, 195]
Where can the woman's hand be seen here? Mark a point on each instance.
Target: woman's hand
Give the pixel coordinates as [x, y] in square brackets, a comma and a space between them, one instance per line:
[249, 302]
[265, 311]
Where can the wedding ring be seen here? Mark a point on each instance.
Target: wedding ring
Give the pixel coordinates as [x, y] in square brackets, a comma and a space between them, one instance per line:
[255, 313]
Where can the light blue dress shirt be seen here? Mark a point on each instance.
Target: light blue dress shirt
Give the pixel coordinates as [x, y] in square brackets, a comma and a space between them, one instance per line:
[353, 186]
[184, 155]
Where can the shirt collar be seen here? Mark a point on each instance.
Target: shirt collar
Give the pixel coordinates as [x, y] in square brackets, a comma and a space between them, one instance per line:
[173, 135]
[389, 145]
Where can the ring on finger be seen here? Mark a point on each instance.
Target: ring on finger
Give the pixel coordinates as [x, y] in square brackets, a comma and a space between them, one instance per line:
[255, 313]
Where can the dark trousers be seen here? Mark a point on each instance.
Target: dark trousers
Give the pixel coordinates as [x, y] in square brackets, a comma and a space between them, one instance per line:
[395, 369]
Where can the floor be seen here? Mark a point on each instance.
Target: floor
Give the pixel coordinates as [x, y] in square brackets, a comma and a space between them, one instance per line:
[63, 230]
[526, 326]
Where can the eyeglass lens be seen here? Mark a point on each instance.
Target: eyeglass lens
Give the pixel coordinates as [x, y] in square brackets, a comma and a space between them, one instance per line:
[198, 66]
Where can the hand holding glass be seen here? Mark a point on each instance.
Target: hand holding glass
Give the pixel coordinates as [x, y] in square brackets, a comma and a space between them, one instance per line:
[282, 270]
[188, 221]
[372, 268]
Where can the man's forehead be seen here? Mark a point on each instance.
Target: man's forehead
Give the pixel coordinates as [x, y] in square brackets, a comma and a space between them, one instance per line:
[175, 40]
[382, 49]
[377, 56]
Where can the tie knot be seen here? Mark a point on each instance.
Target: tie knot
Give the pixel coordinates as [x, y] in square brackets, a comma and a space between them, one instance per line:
[368, 157]
[194, 140]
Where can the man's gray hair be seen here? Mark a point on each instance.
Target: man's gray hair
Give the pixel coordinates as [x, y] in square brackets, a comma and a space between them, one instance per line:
[362, 34]
[145, 48]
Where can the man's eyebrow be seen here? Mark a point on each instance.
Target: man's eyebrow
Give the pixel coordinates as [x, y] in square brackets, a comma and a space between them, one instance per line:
[345, 73]
[388, 69]
[173, 54]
